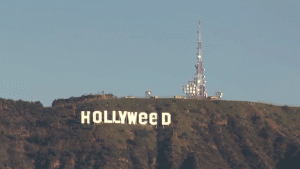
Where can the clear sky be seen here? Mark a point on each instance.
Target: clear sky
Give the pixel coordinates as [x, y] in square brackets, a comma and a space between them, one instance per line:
[58, 49]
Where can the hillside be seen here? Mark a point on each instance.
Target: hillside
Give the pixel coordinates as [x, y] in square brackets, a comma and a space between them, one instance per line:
[203, 134]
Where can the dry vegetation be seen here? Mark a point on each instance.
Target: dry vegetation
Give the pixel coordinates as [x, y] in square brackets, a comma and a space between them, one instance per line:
[203, 134]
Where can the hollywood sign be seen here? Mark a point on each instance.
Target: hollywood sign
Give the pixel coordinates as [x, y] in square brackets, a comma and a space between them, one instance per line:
[126, 117]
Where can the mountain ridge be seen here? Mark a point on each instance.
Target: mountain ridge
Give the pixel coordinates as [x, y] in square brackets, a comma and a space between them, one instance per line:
[202, 134]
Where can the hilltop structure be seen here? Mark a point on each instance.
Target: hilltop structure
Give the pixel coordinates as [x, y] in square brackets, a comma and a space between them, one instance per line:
[196, 87]
[148, 94]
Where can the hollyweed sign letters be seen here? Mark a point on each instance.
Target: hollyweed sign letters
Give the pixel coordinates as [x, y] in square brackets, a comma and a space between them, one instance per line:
[125, 117]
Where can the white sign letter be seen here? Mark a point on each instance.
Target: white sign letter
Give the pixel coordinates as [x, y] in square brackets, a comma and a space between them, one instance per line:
[132, 117]
[95, 114]
[87, 117]
[122, 116]
[152, 117]
[163, 116]
[142, 116]
[115, 118]
[105, 118]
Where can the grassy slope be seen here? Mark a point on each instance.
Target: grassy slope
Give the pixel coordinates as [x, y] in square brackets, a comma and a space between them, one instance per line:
[203, 134]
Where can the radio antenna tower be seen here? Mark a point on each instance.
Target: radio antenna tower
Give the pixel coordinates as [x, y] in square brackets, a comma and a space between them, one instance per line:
[196, 87]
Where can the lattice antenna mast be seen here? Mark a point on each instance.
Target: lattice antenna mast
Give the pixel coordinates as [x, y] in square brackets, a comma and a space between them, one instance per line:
[200, 78]
[199, 67]
[196, 87]
[199, 40]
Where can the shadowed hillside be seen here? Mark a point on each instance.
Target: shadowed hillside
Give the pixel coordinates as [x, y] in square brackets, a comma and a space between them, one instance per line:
[203, 134]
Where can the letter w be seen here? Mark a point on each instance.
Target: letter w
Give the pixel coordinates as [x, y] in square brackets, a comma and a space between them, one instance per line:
[132, 117]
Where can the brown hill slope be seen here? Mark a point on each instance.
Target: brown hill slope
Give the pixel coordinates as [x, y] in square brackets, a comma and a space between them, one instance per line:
[203, 134]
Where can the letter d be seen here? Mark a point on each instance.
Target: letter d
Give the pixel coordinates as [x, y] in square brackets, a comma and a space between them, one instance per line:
[163, 118]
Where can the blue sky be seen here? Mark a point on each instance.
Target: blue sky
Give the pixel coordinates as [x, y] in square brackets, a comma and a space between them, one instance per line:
[58, 49]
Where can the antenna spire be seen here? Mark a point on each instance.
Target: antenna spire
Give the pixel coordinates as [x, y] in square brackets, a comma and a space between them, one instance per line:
[196, 87]
[199, 40]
